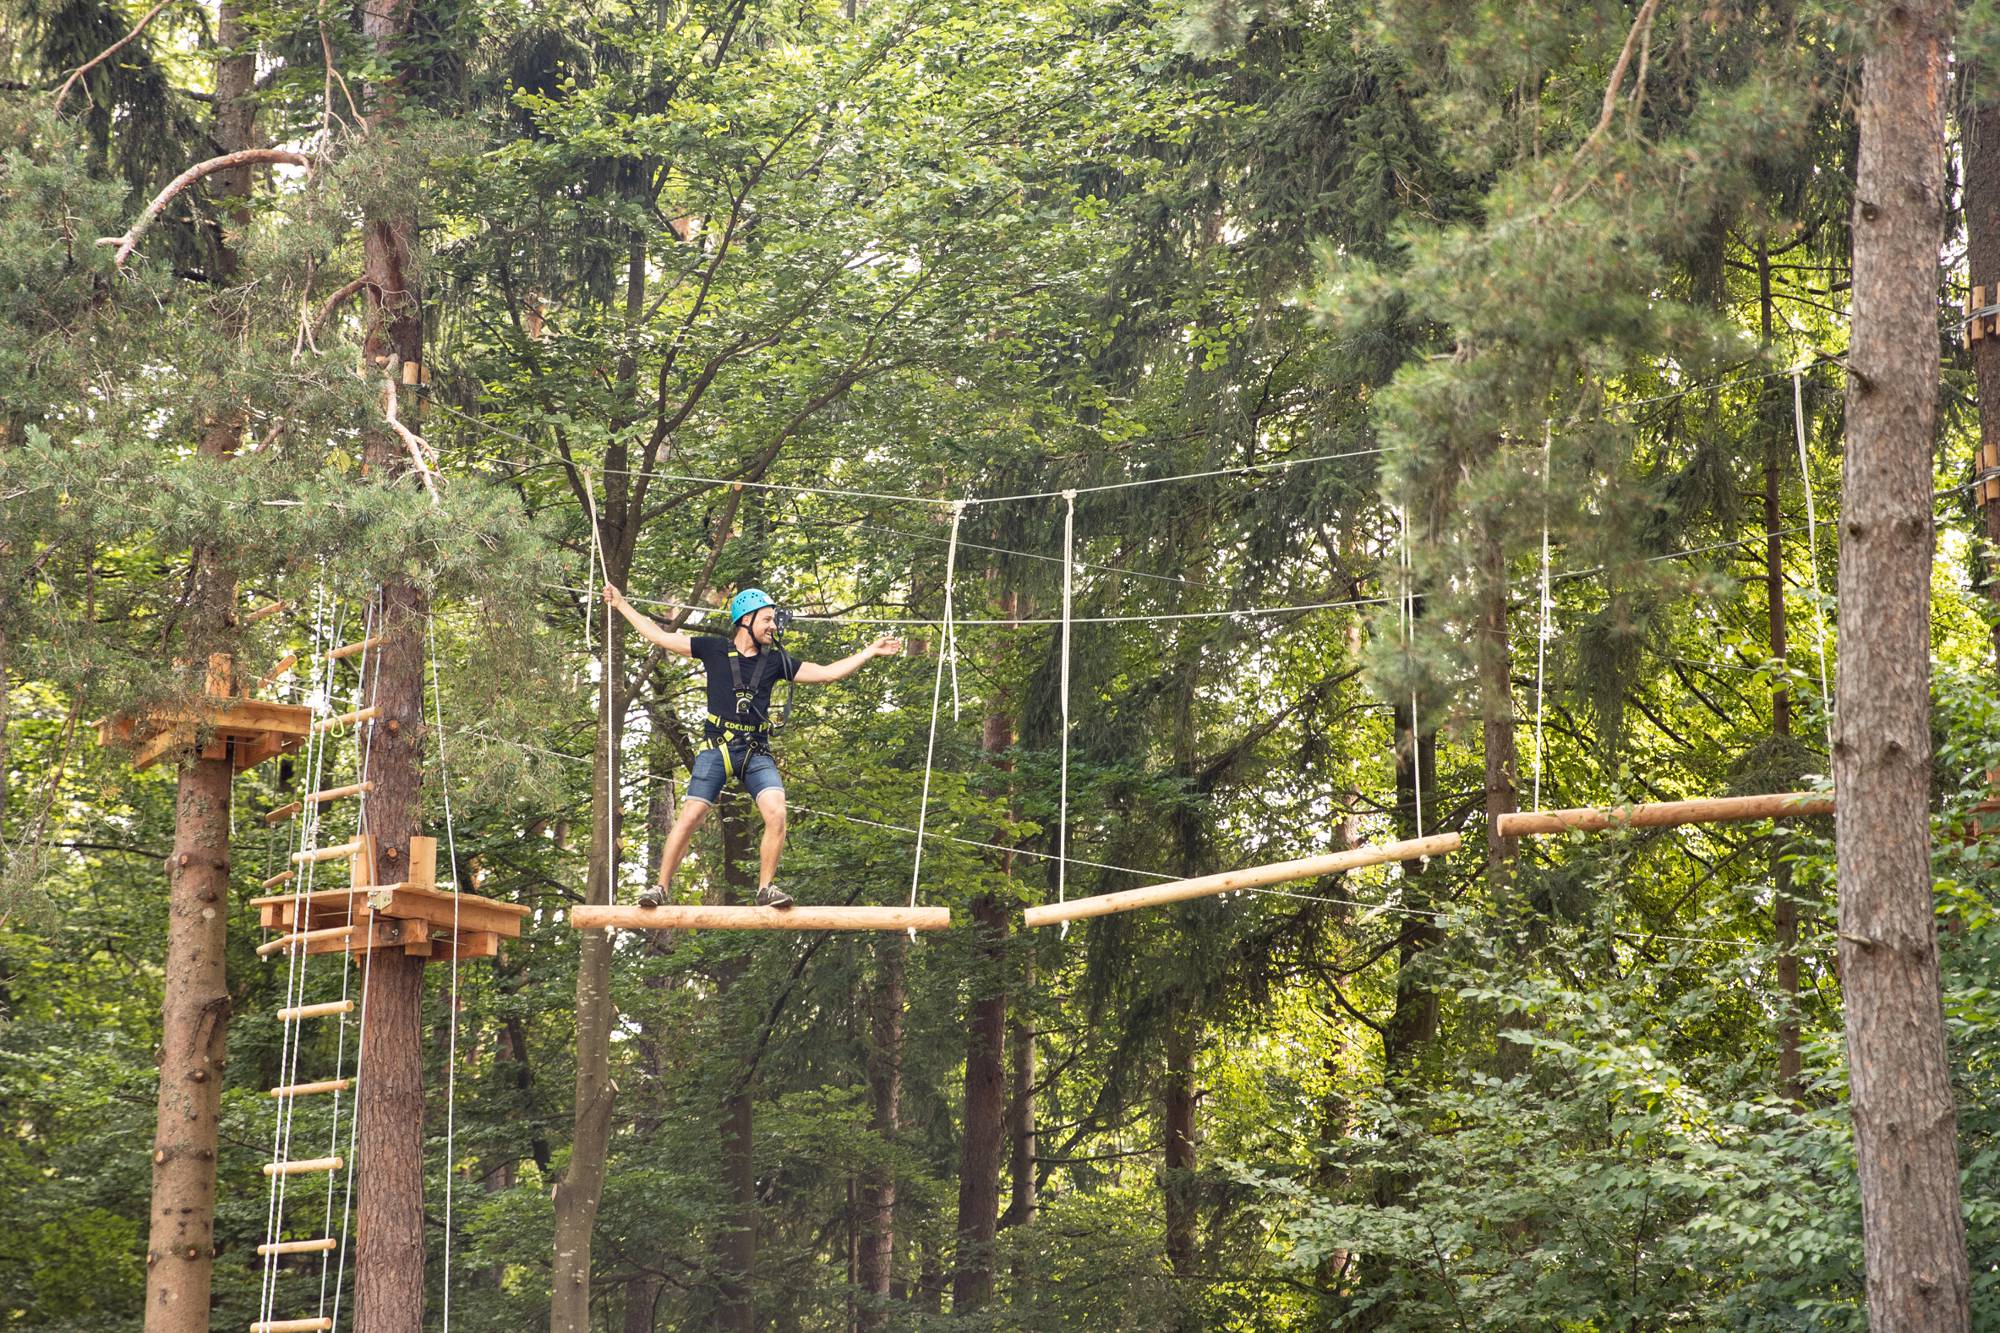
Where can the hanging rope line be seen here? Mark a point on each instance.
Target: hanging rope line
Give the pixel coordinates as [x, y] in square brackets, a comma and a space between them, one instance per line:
[366, 688]
[1812, 547]
[325, 627]
[451, 1053]
[947, 648]
[1545, 605]
[606, 701]
[1409, 625]
[1062, 801]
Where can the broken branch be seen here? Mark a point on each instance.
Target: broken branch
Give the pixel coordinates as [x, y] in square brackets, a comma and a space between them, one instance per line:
[244, 157]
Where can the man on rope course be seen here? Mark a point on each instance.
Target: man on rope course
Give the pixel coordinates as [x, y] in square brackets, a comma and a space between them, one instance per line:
[742, 669]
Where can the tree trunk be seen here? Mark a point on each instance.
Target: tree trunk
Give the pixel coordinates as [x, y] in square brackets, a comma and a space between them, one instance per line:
[195, 1006]
[736, 1237]
[1022, 1201]
[985, 1112]
[1905, 1124]
[1979, 113]
[581, 1187]
[1778, 438]
[1177, 1113]
[1496, 708]
[642, 1299]
[876, 1264]
[1414, 1021]
[985, 1065]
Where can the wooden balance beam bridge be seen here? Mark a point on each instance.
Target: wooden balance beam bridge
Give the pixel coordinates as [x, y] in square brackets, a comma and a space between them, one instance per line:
[1666, 814]
[939, 918]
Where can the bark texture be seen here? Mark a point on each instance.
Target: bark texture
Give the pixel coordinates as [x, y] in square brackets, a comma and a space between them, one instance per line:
[1904, 1120]
[195, 1008]
[875, 1264]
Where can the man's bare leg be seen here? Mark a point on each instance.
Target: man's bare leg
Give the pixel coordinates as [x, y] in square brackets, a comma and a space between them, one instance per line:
[692, 813]
[771, 805]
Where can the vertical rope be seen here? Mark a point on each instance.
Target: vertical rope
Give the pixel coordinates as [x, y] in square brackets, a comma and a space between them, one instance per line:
[947, 647]
[607, 699]
[1545, 607]
[325, 621]
[365, 692]
[451, 1054]
[1062, 809]
[1410, 648]
[1812, 547]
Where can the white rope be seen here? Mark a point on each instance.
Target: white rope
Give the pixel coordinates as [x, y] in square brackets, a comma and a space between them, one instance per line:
[1542, 626]
[1062, 806]
[1409, 662]
[366, 688]
[451, 1054]
[947, 647]
[295, 966]
[1812, 547]
[607, 699]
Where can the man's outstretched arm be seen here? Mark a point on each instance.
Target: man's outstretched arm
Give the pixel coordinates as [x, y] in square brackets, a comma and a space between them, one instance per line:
[812, 673]
[649, 629]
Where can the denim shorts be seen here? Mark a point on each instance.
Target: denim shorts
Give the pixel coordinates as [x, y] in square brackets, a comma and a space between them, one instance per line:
[758, 773]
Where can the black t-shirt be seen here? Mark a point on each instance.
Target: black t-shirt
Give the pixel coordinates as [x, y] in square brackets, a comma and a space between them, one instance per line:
[750, 706]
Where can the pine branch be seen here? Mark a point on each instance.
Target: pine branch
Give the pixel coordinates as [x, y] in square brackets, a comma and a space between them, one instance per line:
[106, 53]
[411, 440]
[244, 157]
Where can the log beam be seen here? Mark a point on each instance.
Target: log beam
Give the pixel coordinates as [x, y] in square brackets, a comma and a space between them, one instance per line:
[1278, 872]
[1667, 814]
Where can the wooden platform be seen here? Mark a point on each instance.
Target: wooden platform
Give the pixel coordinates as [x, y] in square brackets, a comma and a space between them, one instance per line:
[802, 917]
[223, 724]
[413, 915]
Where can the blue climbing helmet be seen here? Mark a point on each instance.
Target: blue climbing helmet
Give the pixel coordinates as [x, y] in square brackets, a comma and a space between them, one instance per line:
[748, 602]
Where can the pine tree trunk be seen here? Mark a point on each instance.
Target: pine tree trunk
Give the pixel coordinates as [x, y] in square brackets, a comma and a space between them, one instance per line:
[1904, 1119]
[581, 1187]
[985, 1065]
[1778, 437]
[736, 1237]
[1022, 1200]
[1414, 1021]
[1177, 1116]
[876, 1263]
[1496, 707]
[1980, 117]
[985, 1113]
[195, 1008]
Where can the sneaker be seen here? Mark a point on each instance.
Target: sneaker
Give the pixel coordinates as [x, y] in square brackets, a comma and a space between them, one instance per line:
[773, 896]
[656, 896]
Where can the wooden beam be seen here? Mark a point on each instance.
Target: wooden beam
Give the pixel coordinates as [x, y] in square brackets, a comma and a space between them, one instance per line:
[303, 1167]
[1667, 814]
[282, 877]
[303, 1089]
[292, 1325]
[320, 1246]
[269, 947]
[282, 813]
[1278, 872]
[335, 793]
[264, 612]
[297, 1012]
[340, 851]
[270, 677]
[348, 719]
[760, 918]
[361, 646]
